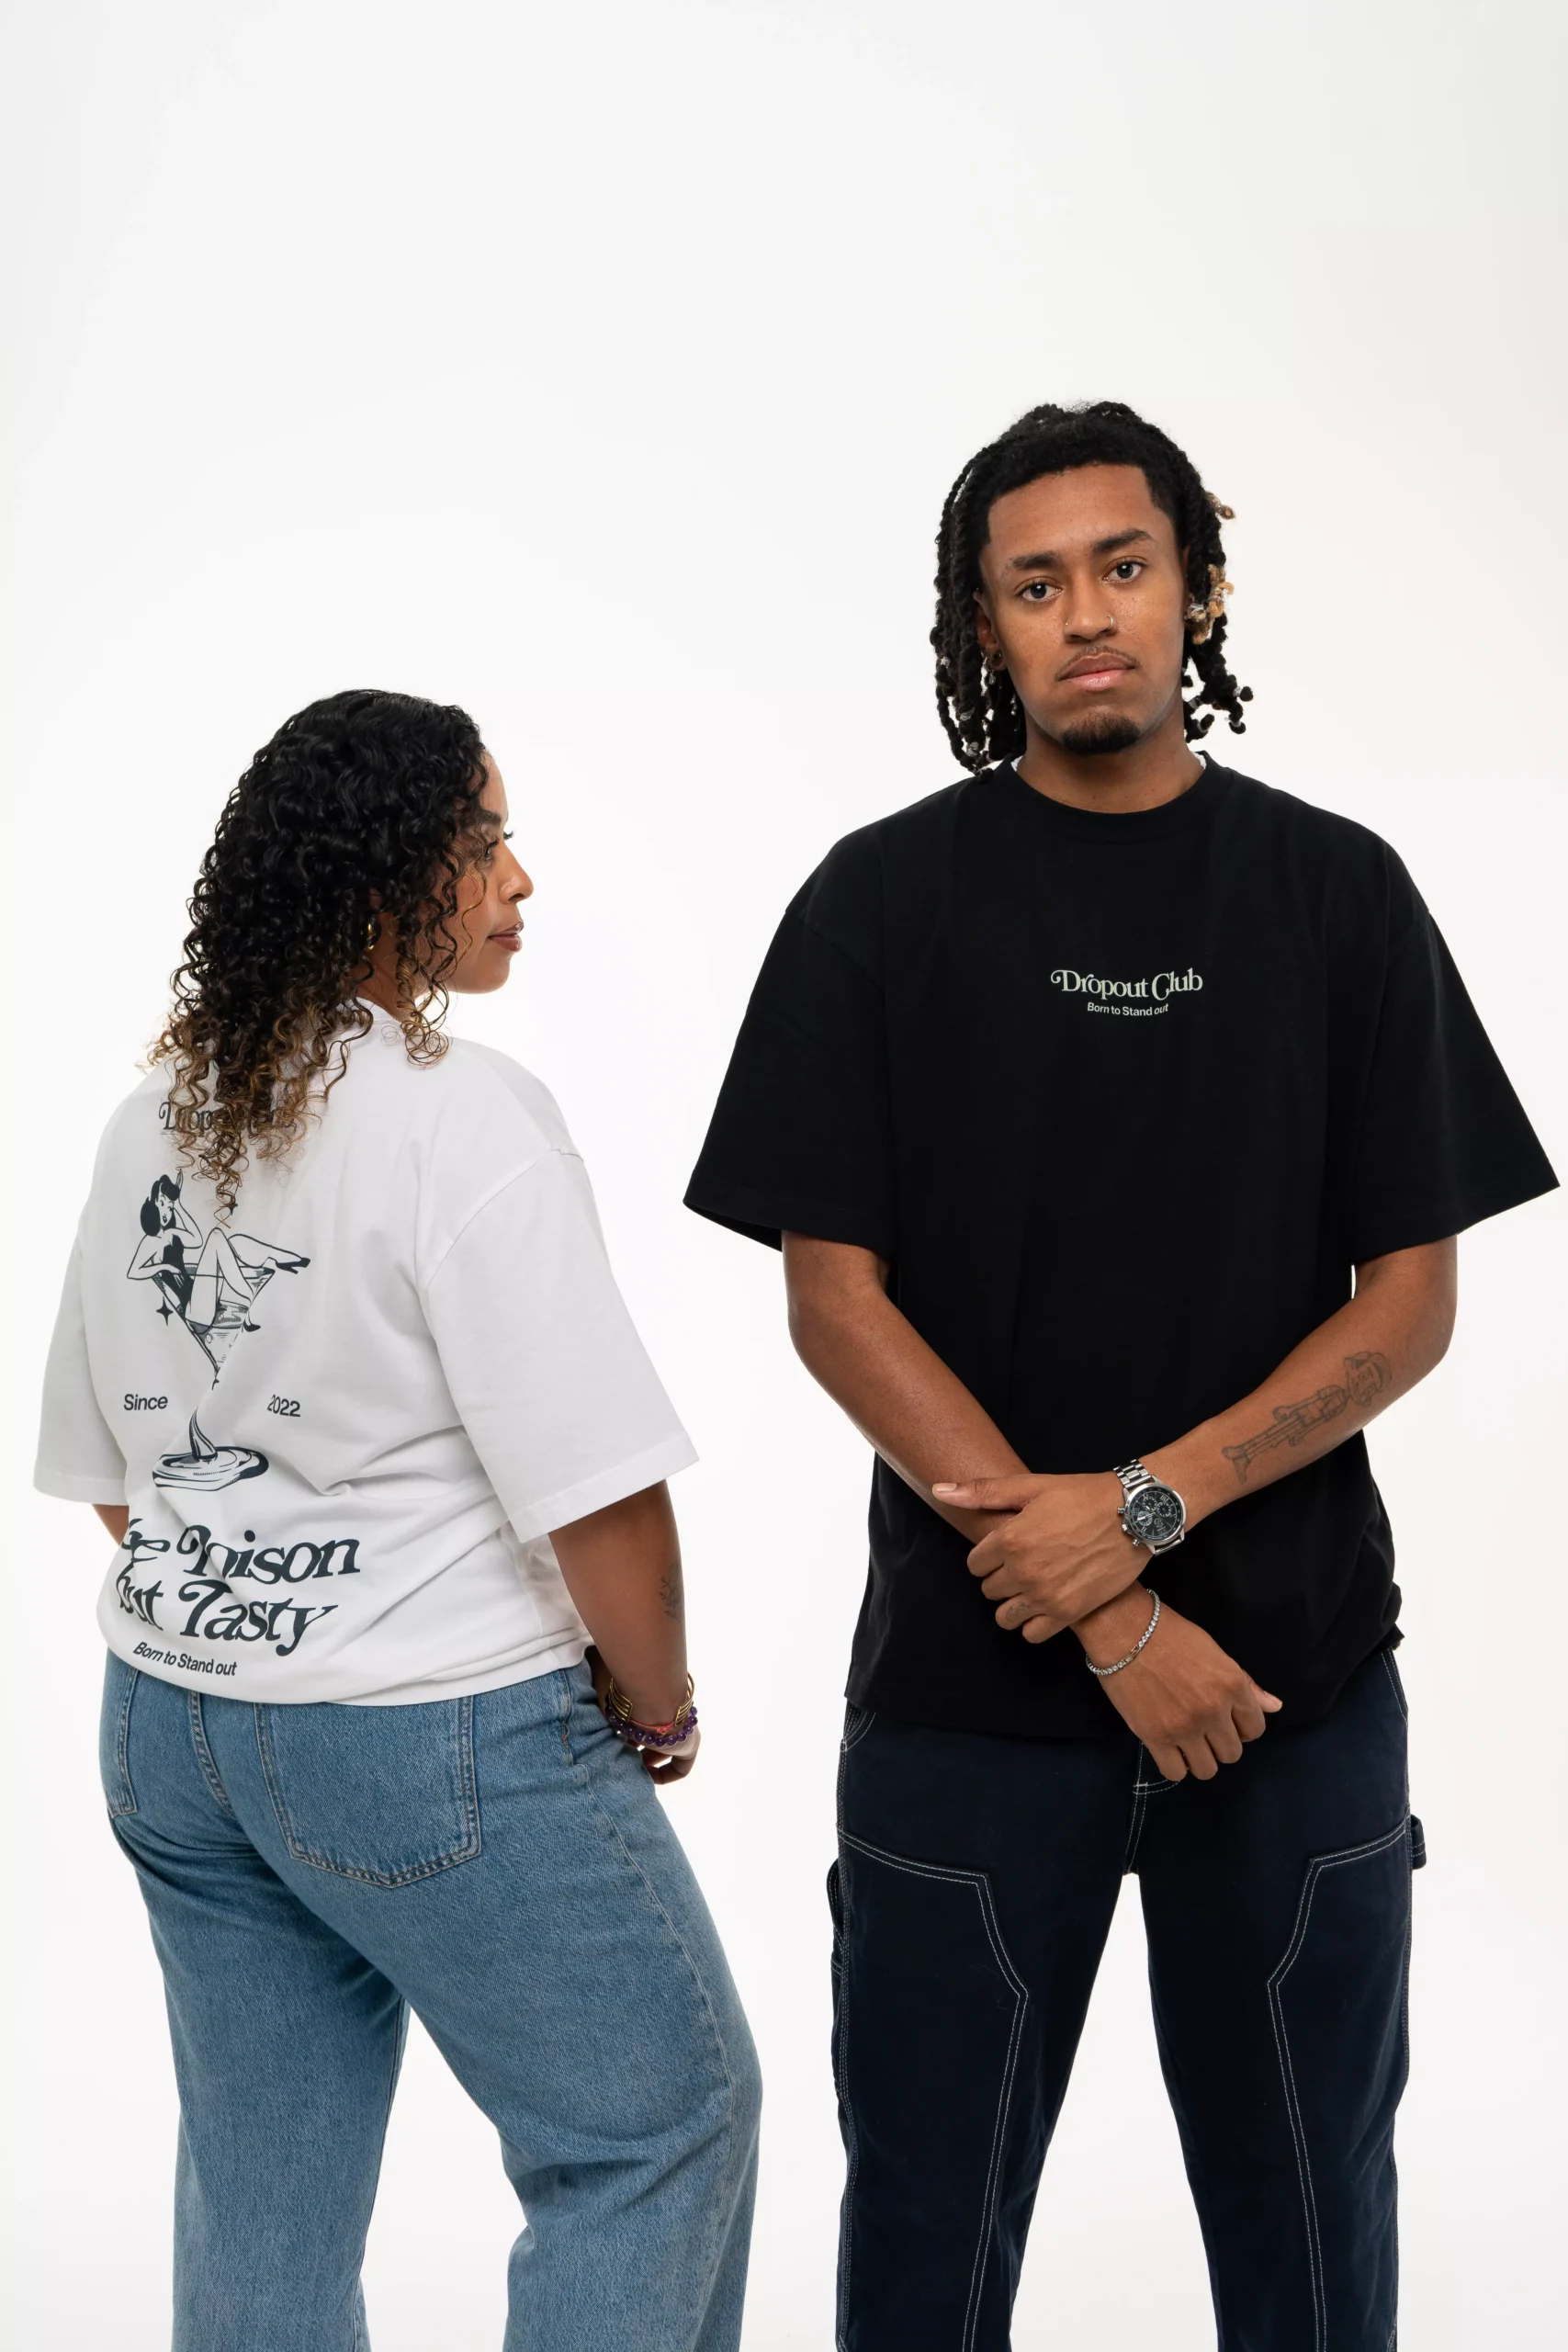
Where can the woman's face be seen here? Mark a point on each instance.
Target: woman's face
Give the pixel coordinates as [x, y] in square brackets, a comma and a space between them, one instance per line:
[488, 925]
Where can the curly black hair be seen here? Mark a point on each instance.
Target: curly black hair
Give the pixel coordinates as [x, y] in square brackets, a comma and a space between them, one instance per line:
[364, 807]
[979, 708]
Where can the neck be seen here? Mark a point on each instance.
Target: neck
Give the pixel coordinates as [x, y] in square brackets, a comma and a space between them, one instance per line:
[1159, 767]
[377, 978]
[380, 992]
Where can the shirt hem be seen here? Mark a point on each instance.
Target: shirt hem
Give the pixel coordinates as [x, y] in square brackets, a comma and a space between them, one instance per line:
[945, 1710]
[561, 1657]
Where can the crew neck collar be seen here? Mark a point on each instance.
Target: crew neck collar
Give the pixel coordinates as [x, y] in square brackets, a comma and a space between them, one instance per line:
[1121, 828]
[380, 1017]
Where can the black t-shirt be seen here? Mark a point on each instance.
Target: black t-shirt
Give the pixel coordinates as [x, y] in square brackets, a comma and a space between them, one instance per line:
[1123, 1099]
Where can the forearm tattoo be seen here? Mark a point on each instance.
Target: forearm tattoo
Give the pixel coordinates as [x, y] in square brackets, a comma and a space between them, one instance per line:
[1366, 1376]
[672, 1592]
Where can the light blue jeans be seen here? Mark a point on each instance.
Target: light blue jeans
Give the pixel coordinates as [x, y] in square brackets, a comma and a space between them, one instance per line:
[501, 1865]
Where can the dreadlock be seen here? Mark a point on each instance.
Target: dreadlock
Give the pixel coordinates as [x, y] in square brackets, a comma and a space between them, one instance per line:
[979, 708]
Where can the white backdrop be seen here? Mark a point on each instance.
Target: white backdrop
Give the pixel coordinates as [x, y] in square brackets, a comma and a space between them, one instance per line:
[604, 370]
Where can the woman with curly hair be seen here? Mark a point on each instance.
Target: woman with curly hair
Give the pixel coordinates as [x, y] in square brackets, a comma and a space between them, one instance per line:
[397, 1649]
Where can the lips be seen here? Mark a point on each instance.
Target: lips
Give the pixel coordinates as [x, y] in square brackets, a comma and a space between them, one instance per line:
[1093, 670]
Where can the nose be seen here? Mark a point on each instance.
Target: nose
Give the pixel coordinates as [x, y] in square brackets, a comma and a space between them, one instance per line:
[522, 883]
[1088, 613]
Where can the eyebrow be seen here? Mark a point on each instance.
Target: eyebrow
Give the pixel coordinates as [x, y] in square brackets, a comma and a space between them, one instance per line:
[1051, 562]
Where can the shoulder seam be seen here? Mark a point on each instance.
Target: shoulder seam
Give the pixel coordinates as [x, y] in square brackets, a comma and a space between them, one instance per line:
[551, 1151]
[838, 948]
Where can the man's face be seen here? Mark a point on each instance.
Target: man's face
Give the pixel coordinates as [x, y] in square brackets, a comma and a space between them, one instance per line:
[1083, 591]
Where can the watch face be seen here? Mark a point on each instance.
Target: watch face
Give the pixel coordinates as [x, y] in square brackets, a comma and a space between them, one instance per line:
[1155, 1514]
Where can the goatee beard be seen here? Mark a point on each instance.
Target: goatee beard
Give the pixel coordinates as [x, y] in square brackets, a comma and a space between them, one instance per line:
[1095, 737]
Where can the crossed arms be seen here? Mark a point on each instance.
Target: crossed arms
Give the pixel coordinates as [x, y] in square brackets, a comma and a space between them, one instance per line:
[1049, 1550]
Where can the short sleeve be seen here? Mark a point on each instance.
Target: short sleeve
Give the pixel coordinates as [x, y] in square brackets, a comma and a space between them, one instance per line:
[549, 1376]
[78, 1458]
[1444, 1141]
[800, 1137]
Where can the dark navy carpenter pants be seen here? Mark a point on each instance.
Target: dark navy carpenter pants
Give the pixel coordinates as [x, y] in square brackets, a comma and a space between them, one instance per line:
[973, 1892]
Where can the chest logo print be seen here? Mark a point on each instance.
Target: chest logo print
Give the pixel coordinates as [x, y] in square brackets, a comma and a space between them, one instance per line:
[1144, 998]
[211, 1282]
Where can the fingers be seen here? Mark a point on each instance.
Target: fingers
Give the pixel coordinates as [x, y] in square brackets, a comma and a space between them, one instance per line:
[1251, 1709]
[986, 1493]
[1171, 1763]
[670, 1763]
[987, 1556]
[1202, 1761]
[1224, 1740]
[1002, 1577]
[1042, 1629]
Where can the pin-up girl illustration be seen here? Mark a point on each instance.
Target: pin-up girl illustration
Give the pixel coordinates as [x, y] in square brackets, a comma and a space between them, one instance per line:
[211, 1282]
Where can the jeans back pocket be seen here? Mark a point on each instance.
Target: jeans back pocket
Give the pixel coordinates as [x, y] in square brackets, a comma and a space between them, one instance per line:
[382, 1795]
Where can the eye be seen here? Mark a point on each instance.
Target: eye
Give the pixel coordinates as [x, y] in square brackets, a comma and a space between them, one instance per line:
[1034, 592]
[1128, 569]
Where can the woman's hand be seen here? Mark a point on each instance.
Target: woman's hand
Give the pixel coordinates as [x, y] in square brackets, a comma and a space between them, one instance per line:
[665, 1764]
[1193, 1708]
[658, 1763]
[622, 1568]
[1060, 1556]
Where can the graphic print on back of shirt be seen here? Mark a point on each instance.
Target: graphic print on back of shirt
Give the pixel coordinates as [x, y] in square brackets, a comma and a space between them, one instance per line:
[211, 1282]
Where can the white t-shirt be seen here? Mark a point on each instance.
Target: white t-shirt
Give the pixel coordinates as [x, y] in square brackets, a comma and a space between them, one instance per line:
[345, 1417]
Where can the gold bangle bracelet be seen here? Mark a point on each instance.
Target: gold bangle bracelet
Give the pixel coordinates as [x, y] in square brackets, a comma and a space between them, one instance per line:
[618, 1707]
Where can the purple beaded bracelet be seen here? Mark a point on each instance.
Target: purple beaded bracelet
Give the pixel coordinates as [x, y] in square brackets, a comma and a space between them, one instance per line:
[638, 1735]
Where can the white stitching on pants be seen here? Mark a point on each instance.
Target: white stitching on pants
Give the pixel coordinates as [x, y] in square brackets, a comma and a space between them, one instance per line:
[980, 1885]
[1283, 2046]
[1142, 1792]
[1140, 1797]
[852, 1738]
[1391, 1671]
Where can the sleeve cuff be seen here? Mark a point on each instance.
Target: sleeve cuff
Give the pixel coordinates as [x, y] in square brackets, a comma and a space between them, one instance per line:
[73, 1488]
[768, 1216]
[1414, 1226]
[607, 1486]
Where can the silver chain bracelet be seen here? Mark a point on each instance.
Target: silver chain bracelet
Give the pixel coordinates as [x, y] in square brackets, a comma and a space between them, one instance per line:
[1102, 1671]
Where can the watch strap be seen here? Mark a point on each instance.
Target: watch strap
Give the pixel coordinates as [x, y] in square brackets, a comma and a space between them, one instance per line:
[1133, 1475]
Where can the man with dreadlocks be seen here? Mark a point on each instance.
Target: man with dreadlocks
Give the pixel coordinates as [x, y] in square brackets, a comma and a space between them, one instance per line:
[1116, 1115]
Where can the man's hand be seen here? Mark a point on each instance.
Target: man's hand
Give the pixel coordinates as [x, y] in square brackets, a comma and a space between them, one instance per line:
[1192, 1707]
[1061, 1554]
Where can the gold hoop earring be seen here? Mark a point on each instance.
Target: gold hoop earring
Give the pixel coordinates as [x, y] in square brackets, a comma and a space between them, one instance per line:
[372, 935]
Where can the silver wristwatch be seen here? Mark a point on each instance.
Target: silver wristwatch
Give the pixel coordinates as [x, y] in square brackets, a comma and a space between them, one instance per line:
[1152, 1513]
